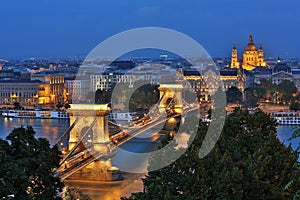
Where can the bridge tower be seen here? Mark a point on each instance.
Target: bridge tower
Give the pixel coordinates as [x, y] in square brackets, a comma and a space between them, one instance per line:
[86, 115]
[90, 133]
[171, 94]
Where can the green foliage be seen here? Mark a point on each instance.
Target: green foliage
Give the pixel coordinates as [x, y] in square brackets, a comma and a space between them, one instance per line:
[144, 97]
[27, 166]
[295, 106]
[17, 106]
[251, 98]
[287, 89]
[67, 106]
[234, 95]
[74, 194]
[248, 162]
[59, 105]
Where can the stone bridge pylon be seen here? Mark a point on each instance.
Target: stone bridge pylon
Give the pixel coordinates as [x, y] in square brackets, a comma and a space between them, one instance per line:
[89, 149]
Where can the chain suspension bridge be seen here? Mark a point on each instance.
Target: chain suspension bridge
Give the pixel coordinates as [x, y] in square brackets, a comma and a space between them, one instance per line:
[90, 147]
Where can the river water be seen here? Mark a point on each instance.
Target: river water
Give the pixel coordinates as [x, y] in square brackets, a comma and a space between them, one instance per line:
[52, 129]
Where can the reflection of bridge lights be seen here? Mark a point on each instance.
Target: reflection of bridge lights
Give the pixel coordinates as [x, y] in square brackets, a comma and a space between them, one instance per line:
[155, 137]
[172, 120]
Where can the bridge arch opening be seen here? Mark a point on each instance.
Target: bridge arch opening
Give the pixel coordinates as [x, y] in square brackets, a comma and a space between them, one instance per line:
[171, 98]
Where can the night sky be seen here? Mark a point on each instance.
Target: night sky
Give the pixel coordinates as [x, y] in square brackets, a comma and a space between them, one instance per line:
[58, 28]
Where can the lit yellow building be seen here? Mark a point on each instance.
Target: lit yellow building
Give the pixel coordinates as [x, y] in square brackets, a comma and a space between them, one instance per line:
[203, 83]
[234, 58]
[52, 89]
[252, 56]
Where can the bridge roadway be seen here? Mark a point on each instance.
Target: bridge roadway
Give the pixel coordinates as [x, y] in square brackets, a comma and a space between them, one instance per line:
[158, 121]
[76, 162]
[80, 160]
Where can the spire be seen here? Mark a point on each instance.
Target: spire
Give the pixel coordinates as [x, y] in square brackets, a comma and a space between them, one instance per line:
[260, 46]
[278, 60]
[234, 46]
[250, 39]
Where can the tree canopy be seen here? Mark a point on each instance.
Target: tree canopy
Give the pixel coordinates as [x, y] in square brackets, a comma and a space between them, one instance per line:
[234, 95]
[285, 91]
[294, 106]
[27, 166]
[248, 162]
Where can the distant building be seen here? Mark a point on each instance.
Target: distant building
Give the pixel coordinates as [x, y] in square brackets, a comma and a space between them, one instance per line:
[202, 82]
[24, 92]
[195, 83]
[252, 57]
[52, 89]
[76, 88]
[279, 73]
[106, 80]
[233, 78]
[9, 74]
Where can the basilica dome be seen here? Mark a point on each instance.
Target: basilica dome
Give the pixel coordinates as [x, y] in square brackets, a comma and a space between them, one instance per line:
[251, 46]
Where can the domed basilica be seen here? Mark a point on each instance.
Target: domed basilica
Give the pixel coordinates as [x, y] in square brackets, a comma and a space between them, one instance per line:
[252, 57]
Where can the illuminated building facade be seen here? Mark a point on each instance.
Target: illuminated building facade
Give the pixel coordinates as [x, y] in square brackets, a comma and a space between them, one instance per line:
[76, 88]
[106, 80]
[252, 57]
[52, 89]
[24, 92]
[196, 81]
[279, 73]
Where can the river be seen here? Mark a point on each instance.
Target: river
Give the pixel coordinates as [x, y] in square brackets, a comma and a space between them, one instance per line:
[52, 129]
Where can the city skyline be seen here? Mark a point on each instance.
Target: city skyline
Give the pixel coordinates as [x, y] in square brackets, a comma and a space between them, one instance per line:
[68, 28]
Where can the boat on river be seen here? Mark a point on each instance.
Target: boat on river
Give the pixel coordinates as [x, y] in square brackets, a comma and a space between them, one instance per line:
[286, 118]
[43, 114]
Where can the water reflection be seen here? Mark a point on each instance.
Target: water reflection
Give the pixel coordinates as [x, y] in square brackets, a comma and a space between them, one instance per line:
[51, 129]
[285, 132]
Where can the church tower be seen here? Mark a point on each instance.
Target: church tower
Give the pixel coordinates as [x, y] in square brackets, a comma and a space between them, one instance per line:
[234, 58]
[261, 58]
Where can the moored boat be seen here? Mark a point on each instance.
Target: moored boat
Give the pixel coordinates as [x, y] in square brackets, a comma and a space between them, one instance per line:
[286, 118]
[44, 114]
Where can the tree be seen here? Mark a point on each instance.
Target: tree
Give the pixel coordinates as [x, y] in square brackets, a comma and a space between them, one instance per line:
[143, 97]
[59, 105]
[67, 106]
[234, 95]
[261, 92]
[287, 90]
[295, 106]
[27, 166]
[248, 162]
[251, 98]
[17, 106]
[74, 194]
[295, 179]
